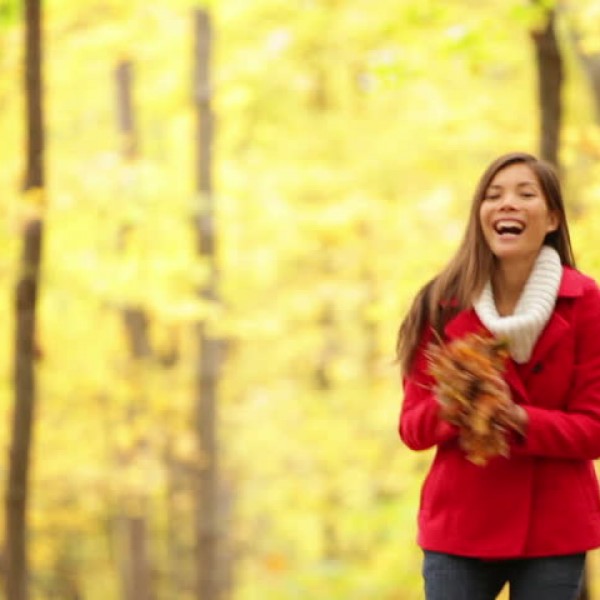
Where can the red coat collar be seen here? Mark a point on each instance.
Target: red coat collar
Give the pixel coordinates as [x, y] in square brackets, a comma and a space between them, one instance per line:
[571, 284]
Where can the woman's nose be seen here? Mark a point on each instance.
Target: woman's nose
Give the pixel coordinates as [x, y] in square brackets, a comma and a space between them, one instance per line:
[508, 202]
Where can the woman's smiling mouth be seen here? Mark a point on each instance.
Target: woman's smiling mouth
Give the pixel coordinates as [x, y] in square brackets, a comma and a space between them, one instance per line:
[509, 227]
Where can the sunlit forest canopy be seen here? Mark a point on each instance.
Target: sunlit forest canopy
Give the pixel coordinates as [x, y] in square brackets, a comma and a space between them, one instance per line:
[348, 138]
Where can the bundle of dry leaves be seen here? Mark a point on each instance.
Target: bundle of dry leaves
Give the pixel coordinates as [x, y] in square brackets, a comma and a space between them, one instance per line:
[473, 394]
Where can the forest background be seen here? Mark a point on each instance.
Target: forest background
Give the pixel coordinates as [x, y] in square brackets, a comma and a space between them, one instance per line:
[347, 139]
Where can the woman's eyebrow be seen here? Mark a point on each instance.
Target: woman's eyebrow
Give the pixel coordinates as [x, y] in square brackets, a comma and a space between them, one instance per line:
[526, 183]
[520, 184]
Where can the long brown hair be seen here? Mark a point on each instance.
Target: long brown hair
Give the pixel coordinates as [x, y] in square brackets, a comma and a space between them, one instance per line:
[461, 281]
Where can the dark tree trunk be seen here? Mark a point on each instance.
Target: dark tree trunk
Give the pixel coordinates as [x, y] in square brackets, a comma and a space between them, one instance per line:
[125, 111]
[208, 533]
[136, 569]
[550, 77]
[17, 490]
[178, 542]
[140, 574]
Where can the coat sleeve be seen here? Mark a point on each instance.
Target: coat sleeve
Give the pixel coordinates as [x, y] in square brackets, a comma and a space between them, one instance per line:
[420, 427]
[573, 433]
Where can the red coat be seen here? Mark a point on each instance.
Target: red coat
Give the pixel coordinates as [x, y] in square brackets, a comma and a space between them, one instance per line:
[544, 499]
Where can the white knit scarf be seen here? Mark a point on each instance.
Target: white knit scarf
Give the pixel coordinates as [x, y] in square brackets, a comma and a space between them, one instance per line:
[533, 309]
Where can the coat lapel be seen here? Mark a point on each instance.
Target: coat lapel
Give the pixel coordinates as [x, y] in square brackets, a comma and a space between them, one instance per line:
[556, 328]
[512, 377]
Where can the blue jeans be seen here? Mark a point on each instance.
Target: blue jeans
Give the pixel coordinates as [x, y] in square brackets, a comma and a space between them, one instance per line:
[449, 577]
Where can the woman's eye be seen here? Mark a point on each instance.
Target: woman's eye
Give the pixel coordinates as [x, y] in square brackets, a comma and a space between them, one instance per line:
[491, 196]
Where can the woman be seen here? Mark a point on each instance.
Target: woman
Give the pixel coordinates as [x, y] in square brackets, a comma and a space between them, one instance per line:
[529, 518]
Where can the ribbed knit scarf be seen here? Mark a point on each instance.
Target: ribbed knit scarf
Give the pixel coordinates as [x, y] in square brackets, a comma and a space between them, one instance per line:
[533, 309]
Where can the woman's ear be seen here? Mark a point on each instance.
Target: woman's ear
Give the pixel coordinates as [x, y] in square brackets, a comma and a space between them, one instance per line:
[553, 221]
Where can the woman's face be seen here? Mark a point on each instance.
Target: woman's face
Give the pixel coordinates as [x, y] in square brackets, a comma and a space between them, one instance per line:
[514, 214]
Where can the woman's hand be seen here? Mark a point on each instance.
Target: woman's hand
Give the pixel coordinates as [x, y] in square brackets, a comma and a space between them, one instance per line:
[513, 417]
[519, 418]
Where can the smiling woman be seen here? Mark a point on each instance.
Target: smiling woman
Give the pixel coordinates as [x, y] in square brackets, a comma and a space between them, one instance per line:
[531, 511]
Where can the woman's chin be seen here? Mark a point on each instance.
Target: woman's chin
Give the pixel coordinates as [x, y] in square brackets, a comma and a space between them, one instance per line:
[513, 253]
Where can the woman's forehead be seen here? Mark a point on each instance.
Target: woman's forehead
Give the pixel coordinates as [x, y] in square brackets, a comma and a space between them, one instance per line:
[517, 173]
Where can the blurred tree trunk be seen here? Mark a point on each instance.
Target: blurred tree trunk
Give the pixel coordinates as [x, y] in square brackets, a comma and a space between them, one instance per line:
[209, 534]
[324, 383]
[125, 109]
[134, 559]
[26, 292]
[550, 77]
[180, 476]
[67, 572]
[136, 570]
[330, 346]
